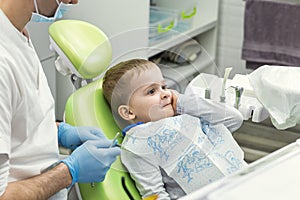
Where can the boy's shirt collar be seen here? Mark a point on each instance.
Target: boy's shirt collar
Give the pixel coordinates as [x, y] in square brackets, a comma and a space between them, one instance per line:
[127, 128]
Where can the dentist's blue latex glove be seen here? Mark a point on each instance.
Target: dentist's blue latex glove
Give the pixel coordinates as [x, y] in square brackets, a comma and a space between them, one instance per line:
[73, 136]
[91, 161]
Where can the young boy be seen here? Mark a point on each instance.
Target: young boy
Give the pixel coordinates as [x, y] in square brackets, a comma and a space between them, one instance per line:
[174, 143]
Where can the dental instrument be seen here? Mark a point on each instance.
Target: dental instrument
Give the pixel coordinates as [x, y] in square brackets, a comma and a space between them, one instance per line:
[226, 75]
[115, 139]
[238, 95]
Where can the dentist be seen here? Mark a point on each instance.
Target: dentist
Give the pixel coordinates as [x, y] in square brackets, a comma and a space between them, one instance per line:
[29, 136]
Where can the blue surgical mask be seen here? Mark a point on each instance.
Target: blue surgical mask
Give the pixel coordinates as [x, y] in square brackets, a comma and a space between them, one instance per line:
[61, 9]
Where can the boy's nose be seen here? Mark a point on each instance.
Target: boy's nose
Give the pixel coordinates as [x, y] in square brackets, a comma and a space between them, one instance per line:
[165, 94]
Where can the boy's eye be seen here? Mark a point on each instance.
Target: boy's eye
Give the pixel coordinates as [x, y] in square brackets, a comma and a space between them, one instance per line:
[164, 87]
[152, 91]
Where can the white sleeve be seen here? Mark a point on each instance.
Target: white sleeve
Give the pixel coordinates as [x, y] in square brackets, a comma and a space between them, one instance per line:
[212, 111]
[147, 176]
[4, 171]
[7, 105]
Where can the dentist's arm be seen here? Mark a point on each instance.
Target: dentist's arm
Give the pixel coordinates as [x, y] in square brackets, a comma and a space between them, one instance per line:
[88, 163]
[39, 187]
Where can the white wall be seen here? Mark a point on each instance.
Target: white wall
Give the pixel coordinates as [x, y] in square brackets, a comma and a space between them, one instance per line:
[230, 36]
[40, 39]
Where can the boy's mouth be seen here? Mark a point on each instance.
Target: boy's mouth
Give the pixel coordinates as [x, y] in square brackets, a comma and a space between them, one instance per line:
[165, 105]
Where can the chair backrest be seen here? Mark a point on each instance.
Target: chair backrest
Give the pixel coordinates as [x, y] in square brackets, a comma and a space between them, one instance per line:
[88, 107]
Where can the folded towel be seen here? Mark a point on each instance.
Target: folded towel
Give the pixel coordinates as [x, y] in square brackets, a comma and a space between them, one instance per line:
[277, 89]
[271, 33]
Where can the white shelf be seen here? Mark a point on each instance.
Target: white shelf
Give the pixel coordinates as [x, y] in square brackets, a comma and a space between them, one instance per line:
[182, 73]
[181, 37]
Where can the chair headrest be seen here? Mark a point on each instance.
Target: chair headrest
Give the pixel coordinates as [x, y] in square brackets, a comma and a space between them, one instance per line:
[82, 46]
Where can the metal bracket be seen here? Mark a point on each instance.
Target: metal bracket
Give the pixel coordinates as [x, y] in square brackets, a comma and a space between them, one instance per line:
[78, 82]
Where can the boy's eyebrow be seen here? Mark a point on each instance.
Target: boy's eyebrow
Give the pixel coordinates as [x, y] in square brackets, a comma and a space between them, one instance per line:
[158, 83]
[152, 84]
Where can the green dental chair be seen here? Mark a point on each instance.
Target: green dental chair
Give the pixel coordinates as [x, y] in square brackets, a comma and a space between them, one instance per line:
[86, 51]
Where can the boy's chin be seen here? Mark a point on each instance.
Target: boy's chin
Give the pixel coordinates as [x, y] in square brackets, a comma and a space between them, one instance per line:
[169, 113]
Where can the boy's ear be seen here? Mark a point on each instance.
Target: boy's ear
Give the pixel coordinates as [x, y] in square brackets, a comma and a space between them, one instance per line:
[126, 113]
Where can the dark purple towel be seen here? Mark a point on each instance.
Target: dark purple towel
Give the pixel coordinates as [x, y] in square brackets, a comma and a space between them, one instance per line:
[271, 33]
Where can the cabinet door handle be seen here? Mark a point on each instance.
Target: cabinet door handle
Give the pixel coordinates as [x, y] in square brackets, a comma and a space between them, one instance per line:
[187, 16]
[160, 29]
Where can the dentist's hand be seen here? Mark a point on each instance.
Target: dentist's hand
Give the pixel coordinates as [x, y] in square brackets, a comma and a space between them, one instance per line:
[72, 137]
[91, 161]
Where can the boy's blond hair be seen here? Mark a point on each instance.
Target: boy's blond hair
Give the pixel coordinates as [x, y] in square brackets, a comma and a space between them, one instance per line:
[116, 84]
